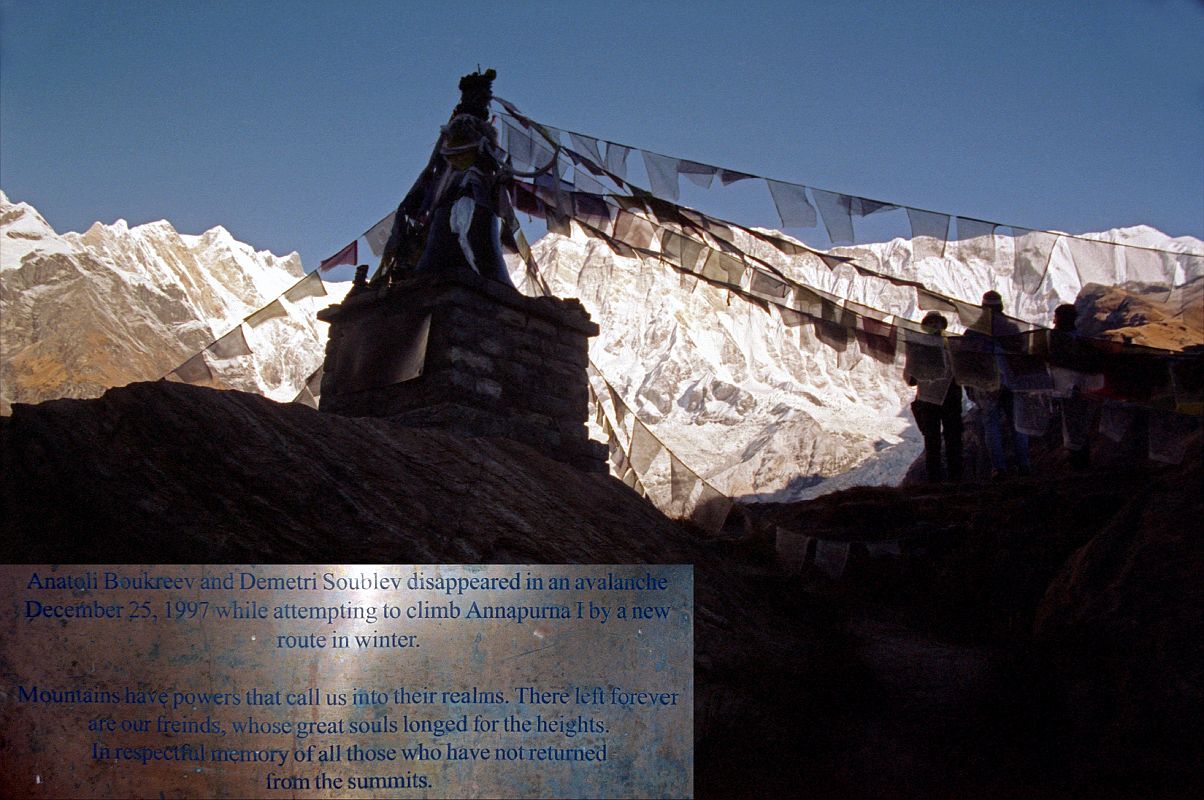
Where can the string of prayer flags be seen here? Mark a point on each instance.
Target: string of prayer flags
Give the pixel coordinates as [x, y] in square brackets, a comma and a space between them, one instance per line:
[616, 453]
[794, 551]
[975, 240]
[688, 496]
[348, 255]
[702, 248]
[835, 321]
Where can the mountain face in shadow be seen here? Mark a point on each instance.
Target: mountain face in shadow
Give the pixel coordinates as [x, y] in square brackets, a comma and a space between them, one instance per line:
[1032, 637]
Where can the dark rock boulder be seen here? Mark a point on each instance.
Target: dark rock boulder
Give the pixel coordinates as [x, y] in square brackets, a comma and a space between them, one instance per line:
[1123, 626]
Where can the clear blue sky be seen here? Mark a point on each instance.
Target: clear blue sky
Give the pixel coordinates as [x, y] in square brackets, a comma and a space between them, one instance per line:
[298, 124]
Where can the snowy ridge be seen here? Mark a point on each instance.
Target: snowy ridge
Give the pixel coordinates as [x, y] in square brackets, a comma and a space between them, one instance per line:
[768, 412]
[115, 304]
[761, 410]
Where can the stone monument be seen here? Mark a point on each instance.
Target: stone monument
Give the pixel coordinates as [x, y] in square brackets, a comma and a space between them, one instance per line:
[440, 337]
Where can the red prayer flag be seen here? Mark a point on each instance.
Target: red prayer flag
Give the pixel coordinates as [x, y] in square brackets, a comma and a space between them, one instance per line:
[348, 255]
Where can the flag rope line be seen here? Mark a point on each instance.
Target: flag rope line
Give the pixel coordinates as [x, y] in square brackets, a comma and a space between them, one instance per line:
[305, 277]
[513, 113]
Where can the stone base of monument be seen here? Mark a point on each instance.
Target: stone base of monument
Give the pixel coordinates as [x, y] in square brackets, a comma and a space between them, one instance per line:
[467, 355]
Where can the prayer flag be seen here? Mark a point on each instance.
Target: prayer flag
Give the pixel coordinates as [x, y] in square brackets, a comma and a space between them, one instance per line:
[662, 174]
[586, 145]
[831, 557]
[644, 448]
[1032, 250]
[928, 233]
[270, 311]
[378, 235]
[1095, 262]
[837, 211]
[194, 371]
[699, 174]
[794, 209]
[765, 284]
[616, 159]
[348, 255]
[975, 240]
[305, 398]
[309, 286]
[711, 509]
[314, 381]
[729, 176]
[682, 483]
[232, 345]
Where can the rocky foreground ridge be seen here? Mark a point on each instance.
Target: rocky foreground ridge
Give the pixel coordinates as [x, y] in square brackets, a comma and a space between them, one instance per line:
[1036, 637]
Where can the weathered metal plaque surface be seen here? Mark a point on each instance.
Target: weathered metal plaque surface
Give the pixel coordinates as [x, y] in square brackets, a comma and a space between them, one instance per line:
[346, 681]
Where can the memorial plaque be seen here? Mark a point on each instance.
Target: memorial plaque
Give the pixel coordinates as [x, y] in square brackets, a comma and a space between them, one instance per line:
[347, 681]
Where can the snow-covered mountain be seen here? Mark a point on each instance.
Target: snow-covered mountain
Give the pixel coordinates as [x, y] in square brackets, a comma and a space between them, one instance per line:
[81, 312]
[760, 409]
[767, 411]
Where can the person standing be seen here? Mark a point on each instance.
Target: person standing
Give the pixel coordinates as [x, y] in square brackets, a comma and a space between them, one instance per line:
[995, 405]
[938, 405]
[1067, 361]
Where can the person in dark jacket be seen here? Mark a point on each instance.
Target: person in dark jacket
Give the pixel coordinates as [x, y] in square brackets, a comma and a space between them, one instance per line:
[1067, 359]
[937, 407]
[996, 405]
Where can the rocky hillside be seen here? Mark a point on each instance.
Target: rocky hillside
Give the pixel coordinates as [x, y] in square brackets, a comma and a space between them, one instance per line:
[1036, 637]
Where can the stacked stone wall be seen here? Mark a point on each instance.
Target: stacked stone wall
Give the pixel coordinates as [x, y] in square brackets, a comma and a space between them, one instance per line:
[496, 363]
